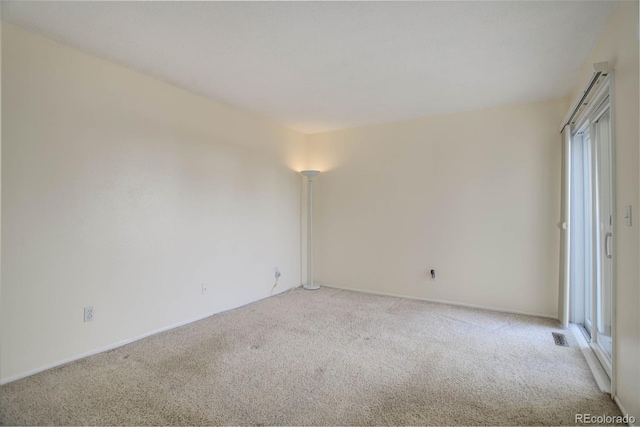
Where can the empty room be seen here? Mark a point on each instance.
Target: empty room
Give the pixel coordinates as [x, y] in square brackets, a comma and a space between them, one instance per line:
[320, 213]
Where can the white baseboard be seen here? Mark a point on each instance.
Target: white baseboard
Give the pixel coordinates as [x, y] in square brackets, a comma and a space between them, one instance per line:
[125, 342]
[624, 412]
[439, 301]
[100, 350]
[186, 322]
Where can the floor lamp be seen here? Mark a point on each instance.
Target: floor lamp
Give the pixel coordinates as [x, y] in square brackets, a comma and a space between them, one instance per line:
[310, 285]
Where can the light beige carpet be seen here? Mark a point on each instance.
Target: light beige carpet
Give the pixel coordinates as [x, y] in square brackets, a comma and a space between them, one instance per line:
[325, 357]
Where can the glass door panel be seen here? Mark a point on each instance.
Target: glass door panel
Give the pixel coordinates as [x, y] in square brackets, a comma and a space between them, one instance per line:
[604, 277]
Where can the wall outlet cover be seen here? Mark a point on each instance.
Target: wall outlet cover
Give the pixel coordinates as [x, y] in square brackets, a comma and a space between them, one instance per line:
[88, 314]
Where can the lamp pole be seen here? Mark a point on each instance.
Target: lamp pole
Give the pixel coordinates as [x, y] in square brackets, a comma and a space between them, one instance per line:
[310, 174]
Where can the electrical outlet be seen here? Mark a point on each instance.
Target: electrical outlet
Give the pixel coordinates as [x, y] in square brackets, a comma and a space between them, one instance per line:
[278, 274]
[204, 289]
[627, 215]
[88, 314]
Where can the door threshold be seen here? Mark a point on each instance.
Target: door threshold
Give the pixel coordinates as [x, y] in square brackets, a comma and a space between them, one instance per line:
[599, 374]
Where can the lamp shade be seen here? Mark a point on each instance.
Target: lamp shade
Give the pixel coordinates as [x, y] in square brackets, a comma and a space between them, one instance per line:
[310, 173]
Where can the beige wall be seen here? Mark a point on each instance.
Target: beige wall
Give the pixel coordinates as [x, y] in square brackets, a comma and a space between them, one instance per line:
[619, 46]
[126, 193]
[473, 195]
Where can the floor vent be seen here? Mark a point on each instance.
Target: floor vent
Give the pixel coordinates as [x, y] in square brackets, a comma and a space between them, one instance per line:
[560, 339]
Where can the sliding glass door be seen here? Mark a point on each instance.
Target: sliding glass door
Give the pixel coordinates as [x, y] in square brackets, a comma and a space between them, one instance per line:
[592, 231]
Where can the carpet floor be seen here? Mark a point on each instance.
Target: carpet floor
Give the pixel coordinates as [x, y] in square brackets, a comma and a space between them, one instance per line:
[325, 357]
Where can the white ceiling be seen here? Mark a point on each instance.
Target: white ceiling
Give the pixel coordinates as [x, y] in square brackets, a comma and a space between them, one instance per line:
[317, 66]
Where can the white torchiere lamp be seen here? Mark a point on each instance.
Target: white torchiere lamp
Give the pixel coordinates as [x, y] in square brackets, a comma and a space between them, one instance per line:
[310, 174]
